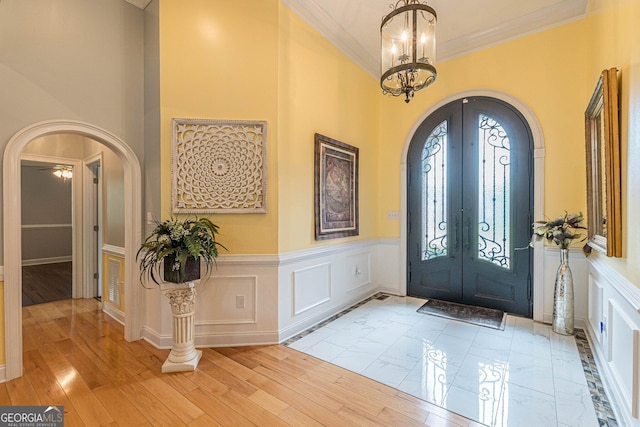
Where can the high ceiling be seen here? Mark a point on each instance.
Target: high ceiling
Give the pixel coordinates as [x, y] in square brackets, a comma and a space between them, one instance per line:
[353, 26]
[463, 25]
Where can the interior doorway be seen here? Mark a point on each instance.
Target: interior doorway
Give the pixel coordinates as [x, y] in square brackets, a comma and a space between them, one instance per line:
[470, 206]
[47, 230]
[132, 192]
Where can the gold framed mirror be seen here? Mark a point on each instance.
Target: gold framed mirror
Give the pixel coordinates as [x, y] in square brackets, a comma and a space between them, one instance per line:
[603, 167]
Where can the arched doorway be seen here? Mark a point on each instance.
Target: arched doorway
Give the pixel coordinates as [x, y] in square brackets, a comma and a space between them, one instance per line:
[538, 186]
[470, 206]
[12, 229]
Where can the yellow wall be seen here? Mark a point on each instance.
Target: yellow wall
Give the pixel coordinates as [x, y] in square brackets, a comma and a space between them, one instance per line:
[614, 38]
[545, 71]
[218, 60]
[256, 60]
[320, 91]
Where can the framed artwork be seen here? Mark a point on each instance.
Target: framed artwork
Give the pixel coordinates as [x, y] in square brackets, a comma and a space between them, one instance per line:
[218, 166]
[604, 191]
[336, 189]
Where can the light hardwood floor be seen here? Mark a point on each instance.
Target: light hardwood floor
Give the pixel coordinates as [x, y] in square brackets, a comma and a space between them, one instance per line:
[76, 356]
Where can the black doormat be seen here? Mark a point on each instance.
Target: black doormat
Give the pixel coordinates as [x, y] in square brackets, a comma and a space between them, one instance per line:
[480, 316]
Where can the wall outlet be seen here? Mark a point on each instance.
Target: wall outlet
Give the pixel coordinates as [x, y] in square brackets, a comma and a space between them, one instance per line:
[239, 301]
[358, 272]
[393, 215]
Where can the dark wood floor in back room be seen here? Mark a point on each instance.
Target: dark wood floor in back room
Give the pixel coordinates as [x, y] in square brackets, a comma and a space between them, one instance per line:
[76, 356]
[46, 283]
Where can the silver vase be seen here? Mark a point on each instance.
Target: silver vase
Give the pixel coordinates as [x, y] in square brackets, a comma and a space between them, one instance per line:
[563, 297]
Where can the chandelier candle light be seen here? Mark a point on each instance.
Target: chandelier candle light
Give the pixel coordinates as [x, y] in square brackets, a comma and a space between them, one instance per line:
[408, 48]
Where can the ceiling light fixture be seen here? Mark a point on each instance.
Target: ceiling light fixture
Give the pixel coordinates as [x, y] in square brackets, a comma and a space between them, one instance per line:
[63, 172]
[408, 48]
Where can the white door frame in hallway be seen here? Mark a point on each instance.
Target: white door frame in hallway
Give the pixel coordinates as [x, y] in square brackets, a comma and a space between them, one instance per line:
[77, 255]
[92, 216]
[12, 231]
[538, 187]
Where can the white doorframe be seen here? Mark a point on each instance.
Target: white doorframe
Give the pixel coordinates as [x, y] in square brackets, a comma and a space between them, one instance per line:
[91, 240]
[76, 217]
[538, 187]
[12, 233]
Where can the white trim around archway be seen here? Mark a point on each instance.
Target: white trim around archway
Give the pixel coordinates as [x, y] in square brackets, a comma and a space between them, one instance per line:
[12, 241]
[538, 187]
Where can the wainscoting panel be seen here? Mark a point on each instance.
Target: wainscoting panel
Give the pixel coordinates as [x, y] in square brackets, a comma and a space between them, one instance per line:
[317, 283]
[622, 351]
[237, 305]
[113, 282]
[386, 268]
[614, 332]
[227, 300]
[596, 303]
[311, 287]
[358, 270]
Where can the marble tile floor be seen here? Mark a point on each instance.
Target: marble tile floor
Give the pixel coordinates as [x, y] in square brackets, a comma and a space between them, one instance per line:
[523, 376]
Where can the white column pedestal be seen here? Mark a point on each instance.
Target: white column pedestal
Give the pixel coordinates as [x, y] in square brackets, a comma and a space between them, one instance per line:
[183, 356]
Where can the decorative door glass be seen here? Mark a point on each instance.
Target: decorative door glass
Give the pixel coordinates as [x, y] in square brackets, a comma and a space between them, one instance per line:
[434, 194]
[494, 207]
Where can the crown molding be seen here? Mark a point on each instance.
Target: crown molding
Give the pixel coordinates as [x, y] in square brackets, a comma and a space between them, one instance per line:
[319, 20]
[540, 20]
[139, 3]
[560, 13]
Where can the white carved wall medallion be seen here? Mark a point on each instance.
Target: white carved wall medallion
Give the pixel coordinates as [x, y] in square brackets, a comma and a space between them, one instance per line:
[219, 166]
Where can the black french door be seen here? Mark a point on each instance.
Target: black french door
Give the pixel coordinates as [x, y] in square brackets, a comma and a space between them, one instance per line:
[470, 199]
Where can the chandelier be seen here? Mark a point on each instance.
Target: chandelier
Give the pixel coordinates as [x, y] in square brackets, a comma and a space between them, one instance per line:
[63, 172]
[408, 48]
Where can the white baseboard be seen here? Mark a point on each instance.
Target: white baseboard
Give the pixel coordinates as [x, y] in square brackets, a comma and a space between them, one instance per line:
[113, 312]
[50, 260]
[3, 374]
[213, 339]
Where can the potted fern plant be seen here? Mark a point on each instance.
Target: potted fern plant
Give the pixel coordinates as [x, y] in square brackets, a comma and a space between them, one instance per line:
[179, 246]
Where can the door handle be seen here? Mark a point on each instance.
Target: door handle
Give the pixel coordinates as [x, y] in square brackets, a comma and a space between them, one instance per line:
[455, 238]
[467, 226]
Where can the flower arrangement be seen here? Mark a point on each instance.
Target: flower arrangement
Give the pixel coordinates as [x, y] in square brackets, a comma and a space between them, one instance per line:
[559, 231]
[176, 241]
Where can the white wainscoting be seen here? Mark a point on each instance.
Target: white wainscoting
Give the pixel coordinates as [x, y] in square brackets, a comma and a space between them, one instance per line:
[613, 328]
[311, 287]
[266, 299]
[317, 283]
[236, 305]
